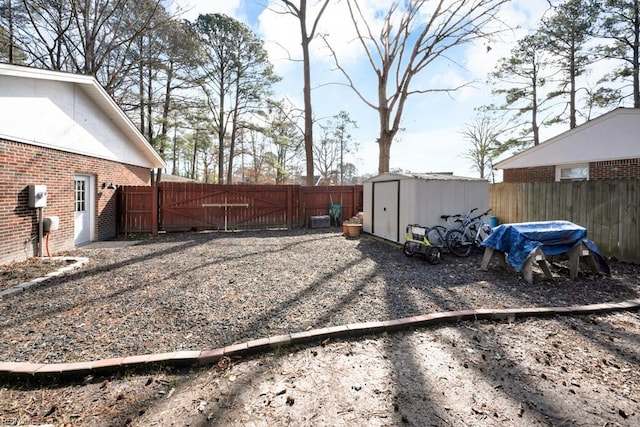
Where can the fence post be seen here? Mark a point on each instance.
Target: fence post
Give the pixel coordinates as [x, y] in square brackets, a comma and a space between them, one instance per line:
[154, 209]
[354, 202]
[289, 207]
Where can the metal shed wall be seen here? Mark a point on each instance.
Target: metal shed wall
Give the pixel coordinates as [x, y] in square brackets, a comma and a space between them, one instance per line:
[422, 199]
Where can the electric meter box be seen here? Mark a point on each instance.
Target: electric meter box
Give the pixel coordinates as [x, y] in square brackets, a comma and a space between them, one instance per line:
[50, 223]
[37, 196]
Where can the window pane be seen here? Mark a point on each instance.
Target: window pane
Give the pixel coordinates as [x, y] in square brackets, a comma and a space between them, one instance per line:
[574, 173]
[80, 193]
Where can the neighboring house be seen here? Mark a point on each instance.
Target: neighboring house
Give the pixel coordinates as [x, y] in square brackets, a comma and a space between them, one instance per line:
[63, 131]
[607, 147]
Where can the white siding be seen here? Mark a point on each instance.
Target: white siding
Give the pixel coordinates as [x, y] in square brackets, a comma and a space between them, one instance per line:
[59, 115]
[615, 135]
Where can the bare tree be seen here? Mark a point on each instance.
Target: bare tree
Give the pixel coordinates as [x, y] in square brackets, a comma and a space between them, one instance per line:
[482, 133]
[285, 136]
[94, 37]
[12, 19]
[326, 156]
[300, 13]
[256, 148]
[43, 32]
[335, 142]
[410, 39]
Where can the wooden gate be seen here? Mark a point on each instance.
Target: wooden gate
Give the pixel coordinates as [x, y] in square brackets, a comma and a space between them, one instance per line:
[137, 211]
[186, 206]
[179, 206]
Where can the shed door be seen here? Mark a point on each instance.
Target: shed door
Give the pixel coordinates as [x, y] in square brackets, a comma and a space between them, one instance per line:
[386, 197]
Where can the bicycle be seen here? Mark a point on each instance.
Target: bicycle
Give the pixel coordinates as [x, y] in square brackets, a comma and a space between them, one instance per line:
[437, 233]
[461, 241]
[417, 242]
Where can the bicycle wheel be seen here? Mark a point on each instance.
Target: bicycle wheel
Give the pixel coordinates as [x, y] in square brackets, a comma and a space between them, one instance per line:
[433, 255]
[458, 243]
[410, 248]
[436, 235]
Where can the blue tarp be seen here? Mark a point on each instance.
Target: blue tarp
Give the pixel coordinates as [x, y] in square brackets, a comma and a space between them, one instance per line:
[552, 237]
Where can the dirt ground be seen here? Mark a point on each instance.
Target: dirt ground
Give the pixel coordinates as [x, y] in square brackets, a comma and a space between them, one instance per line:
[551, 372]
[561, 371]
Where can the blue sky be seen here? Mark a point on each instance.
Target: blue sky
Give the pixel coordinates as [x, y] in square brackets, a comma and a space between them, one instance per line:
[431, 141]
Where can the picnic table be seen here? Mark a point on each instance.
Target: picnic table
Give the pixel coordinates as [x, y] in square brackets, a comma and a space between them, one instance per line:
[528, 242]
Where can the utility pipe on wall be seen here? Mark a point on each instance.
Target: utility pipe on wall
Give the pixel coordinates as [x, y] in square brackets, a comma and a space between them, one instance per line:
[40, 231]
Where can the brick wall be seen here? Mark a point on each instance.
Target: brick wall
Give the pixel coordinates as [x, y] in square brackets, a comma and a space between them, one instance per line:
[537, 174]
[24, 164]
[615, 169]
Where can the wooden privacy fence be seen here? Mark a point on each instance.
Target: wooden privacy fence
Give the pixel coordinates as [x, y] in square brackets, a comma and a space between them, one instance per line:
[177, 206]
[607, 209]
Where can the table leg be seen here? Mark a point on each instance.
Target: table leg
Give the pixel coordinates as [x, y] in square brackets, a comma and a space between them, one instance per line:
[527, 270]
[592, 264]
[486, 259]
[489, 253]
[577, 253]
[545, 269]
[574, 260]
[538, 257]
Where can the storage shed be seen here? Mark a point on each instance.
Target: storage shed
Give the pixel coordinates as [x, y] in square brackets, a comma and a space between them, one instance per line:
[392, 200]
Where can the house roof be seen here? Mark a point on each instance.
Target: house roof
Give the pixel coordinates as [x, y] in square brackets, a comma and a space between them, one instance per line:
[97, 94]
[612, 136]
[422, 176]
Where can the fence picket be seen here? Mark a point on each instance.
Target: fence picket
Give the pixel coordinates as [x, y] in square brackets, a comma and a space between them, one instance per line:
[187, 206]
[607, 209]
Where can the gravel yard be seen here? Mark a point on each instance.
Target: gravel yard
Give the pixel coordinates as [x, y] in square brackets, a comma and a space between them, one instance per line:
[196, 291]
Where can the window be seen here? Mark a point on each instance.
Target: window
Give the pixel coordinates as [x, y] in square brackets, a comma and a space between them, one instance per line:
[572, 173]
[80, 195]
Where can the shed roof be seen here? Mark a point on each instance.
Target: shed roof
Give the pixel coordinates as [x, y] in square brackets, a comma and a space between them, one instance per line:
[442, 176]
[90, 86]
[612, 136]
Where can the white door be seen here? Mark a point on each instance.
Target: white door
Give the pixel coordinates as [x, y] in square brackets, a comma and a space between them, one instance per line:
[82, 223]
[385, 209]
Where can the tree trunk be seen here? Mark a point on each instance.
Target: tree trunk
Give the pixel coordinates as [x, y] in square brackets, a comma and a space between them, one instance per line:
[534, 113]
[141, 87]
[636, 55]
[232, 146]
[308, 113]
[150, 111]
[174, 169]
[195, 153]
[572, 92]
[11, 30]
[384, 142]
[221, 129]
[166, 106]
[234, 132]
